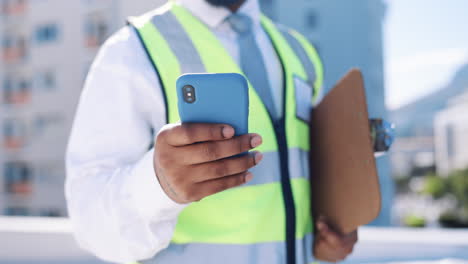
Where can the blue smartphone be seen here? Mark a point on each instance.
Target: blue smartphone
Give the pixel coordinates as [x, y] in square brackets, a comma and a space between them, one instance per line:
[221, 98]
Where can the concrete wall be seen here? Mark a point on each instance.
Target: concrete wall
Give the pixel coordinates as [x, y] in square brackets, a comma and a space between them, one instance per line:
[38, 240]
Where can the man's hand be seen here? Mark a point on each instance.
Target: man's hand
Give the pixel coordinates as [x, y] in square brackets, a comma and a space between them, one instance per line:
[331, 246]
[193, 161]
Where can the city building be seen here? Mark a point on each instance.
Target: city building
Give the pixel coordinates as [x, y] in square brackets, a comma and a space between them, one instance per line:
[451, 136]
[412, 156]
[346, 34]
[46, 48]
[425, 134]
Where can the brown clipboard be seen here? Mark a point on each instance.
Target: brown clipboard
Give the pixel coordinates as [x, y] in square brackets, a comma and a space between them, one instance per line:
[344, 179]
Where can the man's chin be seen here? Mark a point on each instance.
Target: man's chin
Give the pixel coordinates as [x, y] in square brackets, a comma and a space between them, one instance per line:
[223, 2]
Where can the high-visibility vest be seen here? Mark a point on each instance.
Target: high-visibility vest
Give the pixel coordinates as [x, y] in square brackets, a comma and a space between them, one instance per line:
[268, 220]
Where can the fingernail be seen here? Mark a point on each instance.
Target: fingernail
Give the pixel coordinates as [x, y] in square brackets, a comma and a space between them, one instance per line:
[258, 157]
[228, 132]
[248, 177]
[255, 141]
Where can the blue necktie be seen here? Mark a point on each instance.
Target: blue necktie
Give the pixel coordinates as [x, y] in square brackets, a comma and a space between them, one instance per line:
[251, 59]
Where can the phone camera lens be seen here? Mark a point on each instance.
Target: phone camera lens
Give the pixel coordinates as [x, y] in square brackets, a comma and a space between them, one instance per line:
[189, 94]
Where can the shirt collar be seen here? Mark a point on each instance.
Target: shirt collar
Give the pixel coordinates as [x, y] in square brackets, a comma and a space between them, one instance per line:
[214, 16]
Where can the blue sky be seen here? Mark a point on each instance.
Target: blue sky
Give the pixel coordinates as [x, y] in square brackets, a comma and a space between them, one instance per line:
[426, 41]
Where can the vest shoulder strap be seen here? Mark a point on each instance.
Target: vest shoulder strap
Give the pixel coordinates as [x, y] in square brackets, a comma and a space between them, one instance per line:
[308, 56]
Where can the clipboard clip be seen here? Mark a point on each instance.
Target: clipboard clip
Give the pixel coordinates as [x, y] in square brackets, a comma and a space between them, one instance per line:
[383, 135]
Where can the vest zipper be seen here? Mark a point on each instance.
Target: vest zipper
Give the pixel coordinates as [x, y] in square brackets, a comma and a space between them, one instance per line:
[279, 126]
[286, 188]
[280, 132]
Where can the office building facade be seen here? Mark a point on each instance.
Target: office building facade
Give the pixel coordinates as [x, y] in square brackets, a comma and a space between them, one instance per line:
[46, 49]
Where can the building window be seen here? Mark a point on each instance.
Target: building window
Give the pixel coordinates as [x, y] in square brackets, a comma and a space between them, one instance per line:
[47, 33]
[45, 81]
[16, 90]
[96, 30]
[13, 134]
[50, 213]
[23, 86]
[7, 90]
[11, 7]
[14, 47]
[16, 211]
[7, 42]
[43, 123]
[311, 19]
[18, 178]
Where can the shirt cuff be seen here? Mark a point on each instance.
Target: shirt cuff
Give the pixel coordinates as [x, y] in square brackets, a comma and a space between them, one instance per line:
[147, 194]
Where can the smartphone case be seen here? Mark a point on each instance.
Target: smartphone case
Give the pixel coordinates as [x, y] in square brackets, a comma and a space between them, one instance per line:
[219, 98]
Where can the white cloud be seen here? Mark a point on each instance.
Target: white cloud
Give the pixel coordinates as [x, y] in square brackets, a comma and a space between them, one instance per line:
[424, 60]
[410, 77]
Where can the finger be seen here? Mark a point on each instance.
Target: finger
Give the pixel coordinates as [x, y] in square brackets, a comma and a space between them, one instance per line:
[211, 187]
[225, 167]
[216, 150]
[323, 251]
[339, 252]
[347, 241]
[330, 236]
[190, 133]
[341, 245]
[351, 238]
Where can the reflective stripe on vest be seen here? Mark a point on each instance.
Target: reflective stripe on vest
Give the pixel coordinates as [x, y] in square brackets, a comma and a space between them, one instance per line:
[301, 54]
[298, 167]
[181, 45]
[251, 217]
[270, 253]
[308, 56]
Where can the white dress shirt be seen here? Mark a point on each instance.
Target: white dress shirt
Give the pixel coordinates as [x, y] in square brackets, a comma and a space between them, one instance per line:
[118, 209]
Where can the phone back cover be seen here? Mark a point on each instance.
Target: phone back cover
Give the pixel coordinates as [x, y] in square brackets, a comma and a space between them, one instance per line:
[220, 98]
[345, 186]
